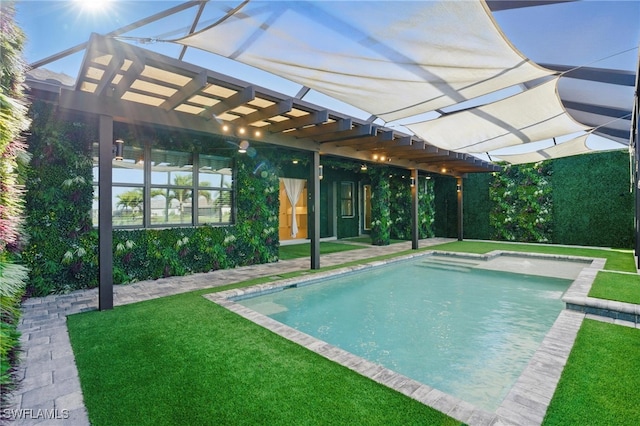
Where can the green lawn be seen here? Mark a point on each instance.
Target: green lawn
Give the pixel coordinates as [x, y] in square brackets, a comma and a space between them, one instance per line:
[295, 251]
[617, 286]
[185, 360]
[599, 385]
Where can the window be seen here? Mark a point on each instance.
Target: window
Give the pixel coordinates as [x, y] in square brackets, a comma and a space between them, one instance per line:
[346, 199]
[171, 201]
[215, 190]
[156, 187]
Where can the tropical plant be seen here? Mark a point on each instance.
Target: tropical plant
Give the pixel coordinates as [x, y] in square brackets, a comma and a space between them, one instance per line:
[58, 202]
[181, 194]
[13, 163]
[380, 206]
[131, 201]
[522, 203]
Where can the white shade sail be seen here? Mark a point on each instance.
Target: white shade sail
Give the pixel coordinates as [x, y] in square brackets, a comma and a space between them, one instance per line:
[530, 116]
[393, 60]
[574, 146]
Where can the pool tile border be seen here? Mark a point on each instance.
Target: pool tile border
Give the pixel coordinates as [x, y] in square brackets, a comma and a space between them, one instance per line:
[527, 401]
[577, 299]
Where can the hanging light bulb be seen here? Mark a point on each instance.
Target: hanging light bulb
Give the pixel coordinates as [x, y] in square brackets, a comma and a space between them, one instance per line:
[242, 148]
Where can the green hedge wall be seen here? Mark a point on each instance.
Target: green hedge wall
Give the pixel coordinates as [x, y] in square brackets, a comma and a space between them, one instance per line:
[592, 201]
[477, 206]
[446, 207]
[579, 200]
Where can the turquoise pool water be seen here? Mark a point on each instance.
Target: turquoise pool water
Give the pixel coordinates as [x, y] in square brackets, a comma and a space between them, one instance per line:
[468, 332]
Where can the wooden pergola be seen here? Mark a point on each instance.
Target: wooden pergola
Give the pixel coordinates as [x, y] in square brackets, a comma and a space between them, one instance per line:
[122, 83]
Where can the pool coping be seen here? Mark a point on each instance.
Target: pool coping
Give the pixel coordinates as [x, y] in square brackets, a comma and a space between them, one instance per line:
[529, 397]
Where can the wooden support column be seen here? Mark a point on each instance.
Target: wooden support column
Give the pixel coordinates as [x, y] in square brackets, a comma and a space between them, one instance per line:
[635, 136]
[635, 141]
[314, 208]
[105, 225]
[415, 210]
[459, 193]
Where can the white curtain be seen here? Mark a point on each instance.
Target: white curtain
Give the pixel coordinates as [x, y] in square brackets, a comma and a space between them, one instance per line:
[293, 188]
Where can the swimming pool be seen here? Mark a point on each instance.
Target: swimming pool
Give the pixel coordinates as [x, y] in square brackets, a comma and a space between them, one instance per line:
[466, 331]
[482, 348]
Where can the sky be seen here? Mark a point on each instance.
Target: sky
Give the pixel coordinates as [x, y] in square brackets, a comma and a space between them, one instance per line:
[597, 33]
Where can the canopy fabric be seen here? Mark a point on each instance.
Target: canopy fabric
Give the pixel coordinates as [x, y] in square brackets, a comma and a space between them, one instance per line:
[574, 146]
[534, 115]
[389, 60]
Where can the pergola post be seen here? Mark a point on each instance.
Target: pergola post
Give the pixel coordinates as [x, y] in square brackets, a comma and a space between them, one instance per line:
[459, 193]
[415, 234]
[635, 138]
[105, 225]
[314, 207]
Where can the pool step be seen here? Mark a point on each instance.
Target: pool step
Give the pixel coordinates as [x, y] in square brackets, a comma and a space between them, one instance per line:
[449, 263]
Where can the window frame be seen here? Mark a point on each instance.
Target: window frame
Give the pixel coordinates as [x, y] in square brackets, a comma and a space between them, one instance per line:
[144, 159]
[347, 203]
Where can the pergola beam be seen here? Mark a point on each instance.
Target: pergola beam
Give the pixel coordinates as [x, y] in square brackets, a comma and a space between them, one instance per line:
[314, 118]
[355, 132]
[366, 142]
[242, 97]
[321, 129]
[279, 108]
[114, 66]
[196, 84]
[128, 78]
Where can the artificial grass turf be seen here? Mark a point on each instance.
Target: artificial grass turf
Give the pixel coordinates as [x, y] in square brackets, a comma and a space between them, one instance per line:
[617, 260]
[295, 251]
[616, 286]
[599, 384]
[185, 360]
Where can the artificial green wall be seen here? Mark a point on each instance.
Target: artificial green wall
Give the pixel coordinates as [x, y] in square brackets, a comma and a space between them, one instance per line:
[578, 200]
[477, 206]
[446, 207]
[593, 204]
[62, 251]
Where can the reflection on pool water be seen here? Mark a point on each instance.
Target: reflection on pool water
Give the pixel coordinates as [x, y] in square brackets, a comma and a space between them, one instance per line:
[465, 331]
